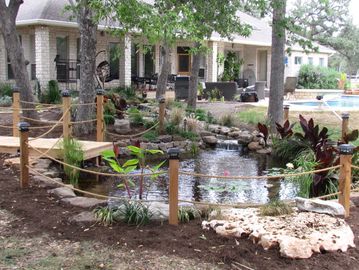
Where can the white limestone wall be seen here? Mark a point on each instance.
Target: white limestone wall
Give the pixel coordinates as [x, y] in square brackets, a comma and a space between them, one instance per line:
[212, 71]
[292, 69]
[43, 54]
[125, 62]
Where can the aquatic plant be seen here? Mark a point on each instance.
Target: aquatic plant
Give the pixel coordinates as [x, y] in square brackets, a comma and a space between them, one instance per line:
[72, 154]
[186, 214]
[135, 213]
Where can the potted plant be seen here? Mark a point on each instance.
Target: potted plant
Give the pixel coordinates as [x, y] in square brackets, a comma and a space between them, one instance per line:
[200, 91]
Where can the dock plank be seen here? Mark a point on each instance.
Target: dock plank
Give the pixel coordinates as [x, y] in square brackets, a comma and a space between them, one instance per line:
[91, 149]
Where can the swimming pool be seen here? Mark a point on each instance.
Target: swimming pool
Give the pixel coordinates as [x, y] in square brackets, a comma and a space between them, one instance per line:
[344, 102]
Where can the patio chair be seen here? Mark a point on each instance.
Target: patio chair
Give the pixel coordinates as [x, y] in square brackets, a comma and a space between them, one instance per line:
[289, 87]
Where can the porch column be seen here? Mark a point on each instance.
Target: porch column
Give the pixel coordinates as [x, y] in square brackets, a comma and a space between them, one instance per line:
[42, 54]
[3, 60]
[125, 62]
[212, 61]
[141, 63]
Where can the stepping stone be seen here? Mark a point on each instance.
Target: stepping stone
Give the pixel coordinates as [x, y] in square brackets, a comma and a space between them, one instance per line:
[62, 192]
[84, 217]
[84, 202]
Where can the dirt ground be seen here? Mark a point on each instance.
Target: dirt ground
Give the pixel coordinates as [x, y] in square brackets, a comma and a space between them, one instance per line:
[35, 233]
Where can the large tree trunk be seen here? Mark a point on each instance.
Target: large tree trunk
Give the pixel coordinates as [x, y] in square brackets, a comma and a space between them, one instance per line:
[88, 30]
[165, 71]
[193, 81]
[16, 54]
[275, 111]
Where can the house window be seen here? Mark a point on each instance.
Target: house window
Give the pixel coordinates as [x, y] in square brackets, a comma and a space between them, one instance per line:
[298, 60]
[321, 62]
[310, 60]
[114, 61]
[149, 61]
[184, 61]
[62, 48]
[78, 56]
[10, 72]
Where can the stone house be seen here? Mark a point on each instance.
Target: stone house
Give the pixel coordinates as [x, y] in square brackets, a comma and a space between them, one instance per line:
[50, 39]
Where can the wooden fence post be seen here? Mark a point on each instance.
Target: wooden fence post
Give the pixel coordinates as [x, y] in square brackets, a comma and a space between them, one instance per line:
[173, 155]
[345, 125]
[162, 110]
[15, 111]
[100, 127]
[286, 112]
[345, 176]
[23, 127]
[66, 105]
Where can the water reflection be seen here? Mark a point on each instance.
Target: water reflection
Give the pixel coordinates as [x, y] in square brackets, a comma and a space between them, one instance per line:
[212, 162]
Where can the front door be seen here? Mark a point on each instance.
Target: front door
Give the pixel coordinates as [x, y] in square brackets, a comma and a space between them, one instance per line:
[183, 61]
[262, 66]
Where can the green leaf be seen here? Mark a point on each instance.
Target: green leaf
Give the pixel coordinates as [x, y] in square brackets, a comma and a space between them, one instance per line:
[158, 166]
[134, 149]
[120, 186]
[108, 154]
[130, 169]
[114, 165]
[153, 151]
[131, 183]
[131, 162]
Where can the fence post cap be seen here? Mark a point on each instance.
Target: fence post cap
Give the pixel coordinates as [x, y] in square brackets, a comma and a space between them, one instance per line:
[345, 115]
[346, 149]
[100, 92]
[173, 153]
[65, 93]
[15, 89]
[161, 99]
[286, 107]
[23, 126]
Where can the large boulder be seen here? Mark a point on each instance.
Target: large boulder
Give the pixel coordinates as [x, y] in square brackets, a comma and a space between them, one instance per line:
[245, 137]
[210, 140]
[62, 192]
[84, 202]
[254, 146]
[205, 133]
[224, 131]
[122, 126]
[234, 134]
[320, 206]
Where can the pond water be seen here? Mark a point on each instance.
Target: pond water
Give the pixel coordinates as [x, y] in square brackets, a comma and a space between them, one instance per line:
[229, 159]
[337, 102]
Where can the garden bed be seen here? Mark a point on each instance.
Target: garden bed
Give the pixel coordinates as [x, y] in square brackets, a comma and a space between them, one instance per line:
[37, 214]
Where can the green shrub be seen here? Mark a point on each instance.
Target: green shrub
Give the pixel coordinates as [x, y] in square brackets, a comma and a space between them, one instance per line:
[171, 128]
[177, 115]
[5, 90]
[109, 119]
[275, 208]
[316, 77]
[185, 214]
[151, 135]
[135, 213]
[227, 120]
[135, 116]
[109, 108]
[189, 135]
[74, 155]
[288, 148]
[5, 101]
[52, 94]
[106, 215]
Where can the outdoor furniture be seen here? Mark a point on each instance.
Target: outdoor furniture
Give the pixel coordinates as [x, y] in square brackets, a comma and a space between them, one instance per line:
[242, 83]
[181, 87]
[289, 86]
[228, 89]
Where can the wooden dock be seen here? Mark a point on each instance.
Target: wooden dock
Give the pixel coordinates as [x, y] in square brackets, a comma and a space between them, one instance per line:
[91, 149]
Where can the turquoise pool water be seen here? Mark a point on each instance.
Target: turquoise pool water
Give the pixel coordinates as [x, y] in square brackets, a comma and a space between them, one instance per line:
[340, 102]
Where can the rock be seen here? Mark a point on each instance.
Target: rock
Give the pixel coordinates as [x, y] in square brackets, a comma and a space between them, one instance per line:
[205, 133]
[180, 144]
[264, 151]
[210, 140]
[84, 217]
[84, 202]
[294, 248]
[62, 192]
[45, 182]
[160, 211]
[320, 206]
[165, 138]
[234, 129]
[213, 128]
[254, 146]
[177, 138]
[245, 137]
[224, 131]
[122, 126]
[43, 163]
[52, 173]
[234, 134]
[298, 235]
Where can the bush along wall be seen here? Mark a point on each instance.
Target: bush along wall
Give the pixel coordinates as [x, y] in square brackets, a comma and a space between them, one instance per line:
[316, 77]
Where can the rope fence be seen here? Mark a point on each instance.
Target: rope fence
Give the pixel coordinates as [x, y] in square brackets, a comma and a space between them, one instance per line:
[132, 135]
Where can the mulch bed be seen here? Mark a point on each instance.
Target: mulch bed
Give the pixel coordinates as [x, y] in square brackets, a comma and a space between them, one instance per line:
[39, 214]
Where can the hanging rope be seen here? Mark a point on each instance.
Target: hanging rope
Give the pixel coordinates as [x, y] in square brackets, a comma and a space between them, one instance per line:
[83, 104]
[94, 172]
[39, 121]
[90, 193]
[8, 127]
[133, 135]
[83, 122]
[257, 177]
[41, 104]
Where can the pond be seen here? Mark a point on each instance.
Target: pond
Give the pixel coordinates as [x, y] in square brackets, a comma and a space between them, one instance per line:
[227, 159]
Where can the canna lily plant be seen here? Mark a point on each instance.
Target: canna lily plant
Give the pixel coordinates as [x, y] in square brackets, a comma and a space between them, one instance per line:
[131, 165]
